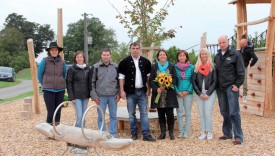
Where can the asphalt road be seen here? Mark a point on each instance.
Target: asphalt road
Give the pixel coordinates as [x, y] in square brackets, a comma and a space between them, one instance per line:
[9, 92]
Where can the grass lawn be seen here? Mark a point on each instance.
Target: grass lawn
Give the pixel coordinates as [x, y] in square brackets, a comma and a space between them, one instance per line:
[17, 97]
[4, 84]
[24, 74]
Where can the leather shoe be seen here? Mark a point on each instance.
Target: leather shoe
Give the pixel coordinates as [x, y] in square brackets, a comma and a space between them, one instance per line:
[148, 138]
[134, 136]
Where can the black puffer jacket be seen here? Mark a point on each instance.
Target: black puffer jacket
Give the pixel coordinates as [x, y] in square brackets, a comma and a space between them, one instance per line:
[230, 68]
[210, 82]
[77, 82]
[248, 54]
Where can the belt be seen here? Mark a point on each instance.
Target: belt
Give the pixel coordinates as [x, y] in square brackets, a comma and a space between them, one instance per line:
[138, 89]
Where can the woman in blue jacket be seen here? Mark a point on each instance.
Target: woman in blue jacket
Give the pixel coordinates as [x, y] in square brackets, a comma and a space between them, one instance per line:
[184, 91]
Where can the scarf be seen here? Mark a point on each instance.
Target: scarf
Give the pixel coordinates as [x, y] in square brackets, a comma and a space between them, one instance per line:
[82, 66]
[204, 69]
[182, 67]
[162, 68]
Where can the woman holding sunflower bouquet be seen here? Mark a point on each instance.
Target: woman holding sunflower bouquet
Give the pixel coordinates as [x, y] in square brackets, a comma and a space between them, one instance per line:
[162, 80]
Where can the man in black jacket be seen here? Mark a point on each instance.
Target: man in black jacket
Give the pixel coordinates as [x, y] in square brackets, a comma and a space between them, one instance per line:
[247, 51]
[230, 74]
[134, 72]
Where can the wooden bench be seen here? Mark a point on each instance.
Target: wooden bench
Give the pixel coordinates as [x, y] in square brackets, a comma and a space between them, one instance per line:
[123, 116]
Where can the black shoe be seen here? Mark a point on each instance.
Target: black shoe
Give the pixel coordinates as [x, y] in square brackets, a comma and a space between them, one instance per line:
[134, 136]
[162, 136]
[172, 136]
[148, 138]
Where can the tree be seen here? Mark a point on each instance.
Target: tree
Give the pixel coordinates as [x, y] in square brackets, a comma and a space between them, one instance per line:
[41, 34]
[120, 53]
[102, 38]
[11, 41]
[144, 22]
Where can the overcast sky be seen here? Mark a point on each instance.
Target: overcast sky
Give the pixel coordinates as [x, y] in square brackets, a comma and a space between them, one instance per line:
[216, 17]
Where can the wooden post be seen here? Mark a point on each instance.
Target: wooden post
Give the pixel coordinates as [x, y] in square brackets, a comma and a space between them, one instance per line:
[268, 61]
[239, 20]
[273, 85]
[60, 31]
[34, 75]
[244, 17]
[203, 40]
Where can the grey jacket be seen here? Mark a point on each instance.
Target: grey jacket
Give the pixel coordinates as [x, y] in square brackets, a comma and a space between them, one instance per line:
[104, 80]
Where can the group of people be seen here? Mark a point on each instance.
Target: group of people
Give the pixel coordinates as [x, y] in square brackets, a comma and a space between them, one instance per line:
[133, 79]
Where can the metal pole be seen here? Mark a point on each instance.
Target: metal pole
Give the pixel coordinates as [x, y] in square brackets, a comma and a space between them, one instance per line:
[86, 39]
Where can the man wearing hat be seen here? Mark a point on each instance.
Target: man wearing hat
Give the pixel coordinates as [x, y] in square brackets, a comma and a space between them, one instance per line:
[51, 75]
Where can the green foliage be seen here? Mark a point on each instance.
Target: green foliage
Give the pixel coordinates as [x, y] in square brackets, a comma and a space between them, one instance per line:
[20, 61]
[144, 22]
[193, 57]
[120, 53]
[11, 41]
[172, 54]
[24, 74]
[41, 34]
[102, 38]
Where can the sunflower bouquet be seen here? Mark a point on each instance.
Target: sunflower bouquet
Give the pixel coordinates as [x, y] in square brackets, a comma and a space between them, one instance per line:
[165, 81]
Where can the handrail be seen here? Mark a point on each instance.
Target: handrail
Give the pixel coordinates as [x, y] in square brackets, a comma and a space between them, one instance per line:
[268, 18]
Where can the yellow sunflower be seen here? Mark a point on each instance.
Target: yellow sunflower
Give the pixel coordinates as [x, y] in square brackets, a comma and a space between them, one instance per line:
[161, 81]
[170, 79]
[167, 84]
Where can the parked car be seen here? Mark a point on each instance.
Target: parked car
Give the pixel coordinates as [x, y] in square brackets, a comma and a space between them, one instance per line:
[7, 74]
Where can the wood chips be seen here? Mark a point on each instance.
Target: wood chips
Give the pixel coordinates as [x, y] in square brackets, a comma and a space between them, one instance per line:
[18, 136]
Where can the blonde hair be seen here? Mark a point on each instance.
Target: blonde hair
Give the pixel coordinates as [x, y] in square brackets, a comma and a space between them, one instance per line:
[209, 60]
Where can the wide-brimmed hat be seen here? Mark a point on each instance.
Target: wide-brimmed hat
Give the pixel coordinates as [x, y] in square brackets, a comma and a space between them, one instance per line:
[54, 45]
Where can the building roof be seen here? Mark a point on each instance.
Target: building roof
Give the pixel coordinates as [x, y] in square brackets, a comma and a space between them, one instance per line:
[251, 1]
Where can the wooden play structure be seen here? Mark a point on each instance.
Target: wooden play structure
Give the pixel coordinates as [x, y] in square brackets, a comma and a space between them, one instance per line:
[260, 97]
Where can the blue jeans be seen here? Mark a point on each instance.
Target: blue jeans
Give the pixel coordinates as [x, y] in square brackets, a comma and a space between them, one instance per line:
[140, 99]
[230, 110]
[112, 107]
[81, 107]
[185, 108]
[205, 109]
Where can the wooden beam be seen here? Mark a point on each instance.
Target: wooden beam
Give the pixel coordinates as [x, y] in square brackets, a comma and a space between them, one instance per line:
[245, 17]
[34, 76]
[60, 31]
[239, 4]
[269, 50]
[150, 48]
[273, 83]
[254, 22]
[203, 40]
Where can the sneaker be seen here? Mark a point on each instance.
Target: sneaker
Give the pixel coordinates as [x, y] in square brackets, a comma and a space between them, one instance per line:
[185, 135]
[202, 136]
[209, 135]
[148, 138]
[224, 137]
[237, 141]
[180, 135]
[134, 136]
[244, 99]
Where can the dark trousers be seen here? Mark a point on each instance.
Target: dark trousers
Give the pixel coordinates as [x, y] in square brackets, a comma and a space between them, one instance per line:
[52, 100]
[230, 110]
[169, 112]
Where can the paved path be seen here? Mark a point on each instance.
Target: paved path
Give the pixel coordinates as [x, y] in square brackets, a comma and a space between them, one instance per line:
[9, 92]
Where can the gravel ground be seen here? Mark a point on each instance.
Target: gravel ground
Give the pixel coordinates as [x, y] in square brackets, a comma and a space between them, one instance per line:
[18, 136]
